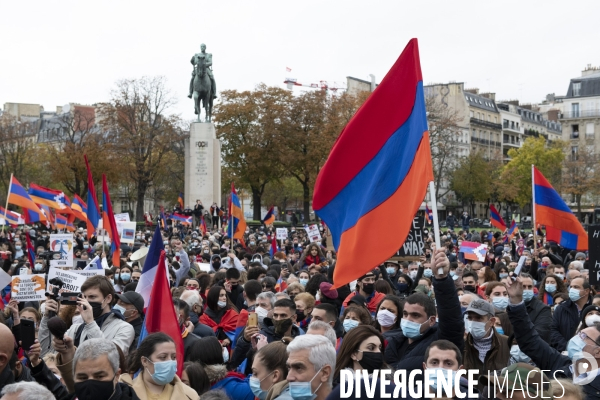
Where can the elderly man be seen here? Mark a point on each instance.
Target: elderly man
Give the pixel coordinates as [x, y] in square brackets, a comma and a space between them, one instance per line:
[194, 301]
[25, 391]
[311, 359]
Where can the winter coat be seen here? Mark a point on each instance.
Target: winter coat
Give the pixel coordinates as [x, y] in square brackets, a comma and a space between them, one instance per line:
[181, 391]
[565, 320]
[541, 316]
[495, 359]
[232, 383]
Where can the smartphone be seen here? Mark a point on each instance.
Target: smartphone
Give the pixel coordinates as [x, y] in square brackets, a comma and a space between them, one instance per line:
[252, 319]
[27, 333]
[69, 299]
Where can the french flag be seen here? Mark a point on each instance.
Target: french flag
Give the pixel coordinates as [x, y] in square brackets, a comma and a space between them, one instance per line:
[96, 263]
[148, 276]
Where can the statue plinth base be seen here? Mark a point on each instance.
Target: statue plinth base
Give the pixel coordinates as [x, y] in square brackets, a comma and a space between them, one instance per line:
[202, 166]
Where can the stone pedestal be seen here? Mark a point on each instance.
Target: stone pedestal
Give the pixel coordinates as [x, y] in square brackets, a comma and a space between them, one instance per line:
[202, 166]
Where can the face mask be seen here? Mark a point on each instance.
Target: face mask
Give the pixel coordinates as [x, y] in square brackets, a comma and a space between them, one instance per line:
[575, 346]
[299, 315]
[386, 318]
[500, 330]
[550, 287]
[303, 390]
[528, 295]
[591, 319]
[261, 312]
[86, 246]
[282, 326]
[560, 276]
[412, 274]
[503, 275]
[164, 371]
[368, 288]
[97, 308]
[411, 330]
[222, 304]
[125, 277]
[77, 319]
[449, 376]
[94, 390]
[166, 242]
[225, 355]
[500, 302]
[349, 324]
[371, 361]
[303, 281]
[574, 294]
[252, 243]
[391, 270]
[120, 309]
[38, 267]
[476, 329]
[216, 264]
[470, 288]
[255, 387]
[518, 355]
[427, 273]
[18, 247]
[402, 287]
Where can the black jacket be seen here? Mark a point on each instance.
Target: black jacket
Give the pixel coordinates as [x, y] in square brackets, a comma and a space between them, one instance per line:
[449, 327]
[541, 316]
[137, 328]
[545, 357]
[6, 377]
[565, 320]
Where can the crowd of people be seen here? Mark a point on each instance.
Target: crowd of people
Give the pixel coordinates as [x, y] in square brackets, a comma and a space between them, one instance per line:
[270, 324]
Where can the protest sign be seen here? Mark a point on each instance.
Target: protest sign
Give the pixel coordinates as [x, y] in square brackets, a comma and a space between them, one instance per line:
[28, 287]
[282, 233]
[62, 246]
[126, 231]
[313, 233]
[72, 281]
[594, 253]
[124, 217]
[414, 245]
[90, 272]
[204, 267]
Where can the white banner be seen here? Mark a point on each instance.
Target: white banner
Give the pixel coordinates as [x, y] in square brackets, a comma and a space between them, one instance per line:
[124, 217]
[62, 245]
[313, 233]
[282, 233]
[72, 281]
[126, 231]
[28, 287]
[89, 272]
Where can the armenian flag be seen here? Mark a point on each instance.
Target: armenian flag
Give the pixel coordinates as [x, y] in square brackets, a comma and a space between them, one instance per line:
[496, 219]
[109, 223]
[428, 214]
[62, 222]
[10, 217]
[180, 200]
[30, 250]
[50, 217]
[203, 225]
[163, 219]
[237, 224]
[473, 250]
[562, 226]
[513, 230]
[182, 218]
[274, 248]
[377, 184]
[79, 208]
[270, 217]
[18, 196]
[93, 211]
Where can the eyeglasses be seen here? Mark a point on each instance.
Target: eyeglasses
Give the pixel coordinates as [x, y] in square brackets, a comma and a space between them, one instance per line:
[583, 336]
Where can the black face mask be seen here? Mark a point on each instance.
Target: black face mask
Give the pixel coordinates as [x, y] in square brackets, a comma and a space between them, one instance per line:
[97, 309]
[282, 326]
[233, 287]
[470, 288]
[300, 315]
[402, 287]
[368, 288]
[371, 361]
[94, 390]
[216, 265]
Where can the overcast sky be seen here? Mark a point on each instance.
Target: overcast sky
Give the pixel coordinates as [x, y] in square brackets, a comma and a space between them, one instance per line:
[54, 53]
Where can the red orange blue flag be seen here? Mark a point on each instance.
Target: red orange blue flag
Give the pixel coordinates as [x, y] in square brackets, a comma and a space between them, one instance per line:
[237, 223]
[377, 173]
[428, 214]
[270, 217]
[109, 223]
[496, 219]
[93, 211]
[182, 218]
[513, 230]
[562, 226]
[18, 196]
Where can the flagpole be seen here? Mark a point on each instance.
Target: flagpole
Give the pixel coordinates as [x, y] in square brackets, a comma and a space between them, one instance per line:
[533, 208]
[7, 197]
[436, 224]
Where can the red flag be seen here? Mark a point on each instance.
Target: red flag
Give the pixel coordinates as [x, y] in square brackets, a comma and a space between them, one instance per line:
[109, 224]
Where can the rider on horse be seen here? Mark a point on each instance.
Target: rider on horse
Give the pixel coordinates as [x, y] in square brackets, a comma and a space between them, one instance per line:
[208, 63]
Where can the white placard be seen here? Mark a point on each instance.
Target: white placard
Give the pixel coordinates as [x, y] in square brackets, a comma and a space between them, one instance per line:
[282, 233]
[62, 243]
[126, 231]
[89, 272]
[28, 287]
[313, 233]
[124, 217]
[72, 281]
[204, 267]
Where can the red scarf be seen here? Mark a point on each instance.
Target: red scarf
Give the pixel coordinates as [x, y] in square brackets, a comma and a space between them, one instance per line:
[228, 321]
[310, 260]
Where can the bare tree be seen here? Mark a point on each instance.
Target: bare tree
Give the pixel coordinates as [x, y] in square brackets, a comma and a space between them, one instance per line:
[580, 175]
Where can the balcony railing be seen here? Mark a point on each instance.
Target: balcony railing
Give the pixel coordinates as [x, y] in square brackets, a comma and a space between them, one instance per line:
[486, 123]
[512, 142]
[580, 114]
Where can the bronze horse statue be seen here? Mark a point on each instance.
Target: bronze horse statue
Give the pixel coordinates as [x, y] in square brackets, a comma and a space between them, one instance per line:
[202, 90]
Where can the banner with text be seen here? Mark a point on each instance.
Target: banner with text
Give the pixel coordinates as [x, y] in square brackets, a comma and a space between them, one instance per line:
[28, 287]
[62, 246]
[72, 281]
[594, 253]
[414, 246]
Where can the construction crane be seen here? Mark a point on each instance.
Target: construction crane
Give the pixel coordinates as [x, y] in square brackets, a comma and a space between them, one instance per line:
[323, 85]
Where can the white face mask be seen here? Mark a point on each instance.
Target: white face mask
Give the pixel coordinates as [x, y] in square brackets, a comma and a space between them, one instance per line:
[591, 319]
[77, 319]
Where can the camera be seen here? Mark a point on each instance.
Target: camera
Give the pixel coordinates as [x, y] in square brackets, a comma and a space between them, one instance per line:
[69, 299]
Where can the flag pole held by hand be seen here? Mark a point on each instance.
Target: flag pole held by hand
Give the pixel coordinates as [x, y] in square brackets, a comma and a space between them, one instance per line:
[436, 223]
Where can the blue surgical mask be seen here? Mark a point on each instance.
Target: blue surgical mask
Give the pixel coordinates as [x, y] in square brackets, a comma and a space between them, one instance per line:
[349, 324]
[500, 302]
[574, 294]
[303, 390]
[452, 273]
[528, 295]
[575, 345]
[449, 375]
[164, 371]
[255, 387]
[120, 309]
[550, 287]
[303, 281]
[18, 247]
[500, 330]
[561, 276]
[391, 270]
[476, 329]
[518, 355]
[503, 275]
[427, 273]
[411, 330]
[125, 277]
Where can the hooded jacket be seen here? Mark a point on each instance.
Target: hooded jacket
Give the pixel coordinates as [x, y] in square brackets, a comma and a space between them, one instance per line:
[231, 382]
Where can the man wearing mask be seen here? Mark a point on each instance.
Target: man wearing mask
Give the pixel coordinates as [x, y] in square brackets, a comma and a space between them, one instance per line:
[485, 348]
[99, 320]
[539, 313]
[185, 326]
[195, 303]
[583, 349]
[184, 260]
[131, 306]
[247, 300]
[232, 285]
[444, 355]
[469, 282]
[311, 363]
[566, 318]
[406, 349]
[365, 286]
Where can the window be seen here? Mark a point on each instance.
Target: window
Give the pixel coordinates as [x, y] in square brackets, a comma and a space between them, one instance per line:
[505, 123]
[124, 206]
[589, 129]
[472, 114]
[575, 110]
[576, 89]
[574, 131]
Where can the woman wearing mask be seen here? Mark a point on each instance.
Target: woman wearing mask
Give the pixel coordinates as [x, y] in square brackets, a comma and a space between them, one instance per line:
[269, 370]
[550, 285]
[501, 271]
[122, 278]
[303, 278]
[39, 267]
[496, 293]
[389, 311]
[362, 349]
[354, 316]
[403, 286]
[156, 358]
[305, 303]
[220, 315]
[589, 316]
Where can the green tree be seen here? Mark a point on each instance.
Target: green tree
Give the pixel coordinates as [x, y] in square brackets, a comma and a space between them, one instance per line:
[547, 157]
[471, 180]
